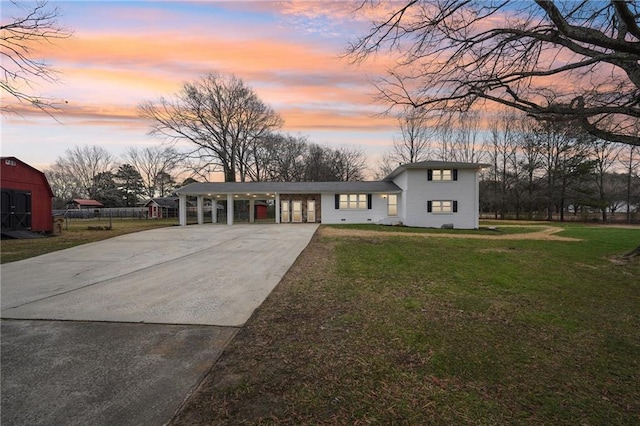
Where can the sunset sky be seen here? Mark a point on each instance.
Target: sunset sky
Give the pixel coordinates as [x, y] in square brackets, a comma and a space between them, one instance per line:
[125, 52]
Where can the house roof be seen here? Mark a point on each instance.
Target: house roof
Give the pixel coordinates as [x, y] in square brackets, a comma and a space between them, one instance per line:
[82, 202]
[434, 165]
[209, 188]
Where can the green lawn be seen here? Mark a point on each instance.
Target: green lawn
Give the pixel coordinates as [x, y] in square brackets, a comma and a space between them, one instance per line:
[397, 330]
[502, 228]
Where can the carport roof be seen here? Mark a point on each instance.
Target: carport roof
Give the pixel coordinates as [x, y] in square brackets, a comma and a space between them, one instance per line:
[206, 188]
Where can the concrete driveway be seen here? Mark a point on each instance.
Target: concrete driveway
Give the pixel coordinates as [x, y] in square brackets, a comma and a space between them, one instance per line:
[122, 330]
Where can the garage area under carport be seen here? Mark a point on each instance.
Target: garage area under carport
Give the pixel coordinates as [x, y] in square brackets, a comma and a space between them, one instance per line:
[258, 208]
[298, 202]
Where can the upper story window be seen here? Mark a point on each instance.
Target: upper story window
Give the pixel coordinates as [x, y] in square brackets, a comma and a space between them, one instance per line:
[442, 175]
[353, 201]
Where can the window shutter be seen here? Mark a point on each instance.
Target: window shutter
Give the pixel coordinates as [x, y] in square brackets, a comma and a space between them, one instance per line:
[337, 201]
[455, 207]
[369, 197]
[428, 206]
[455, 174]
[429, 176]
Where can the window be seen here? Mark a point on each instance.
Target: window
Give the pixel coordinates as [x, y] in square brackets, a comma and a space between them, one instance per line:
[296, 214]
[311, 210]
[353, 201]
[442, 206]
[441, 175]
[284, 217]
[392, 205]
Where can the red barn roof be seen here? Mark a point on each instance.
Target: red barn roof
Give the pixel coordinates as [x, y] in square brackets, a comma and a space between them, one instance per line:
[86, 203]
[7, 175]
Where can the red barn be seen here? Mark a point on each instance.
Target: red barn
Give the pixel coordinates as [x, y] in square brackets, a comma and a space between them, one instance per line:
[26, 197]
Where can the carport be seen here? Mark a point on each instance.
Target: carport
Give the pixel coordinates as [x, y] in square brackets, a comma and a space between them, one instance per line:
[230, 198]
[293, 201]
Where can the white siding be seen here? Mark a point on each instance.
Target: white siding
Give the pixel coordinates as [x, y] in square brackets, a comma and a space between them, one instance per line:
[377, 213]
[402, 182]
[418, 190]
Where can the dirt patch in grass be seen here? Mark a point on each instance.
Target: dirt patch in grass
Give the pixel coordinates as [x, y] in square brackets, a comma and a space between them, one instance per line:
[546, 234]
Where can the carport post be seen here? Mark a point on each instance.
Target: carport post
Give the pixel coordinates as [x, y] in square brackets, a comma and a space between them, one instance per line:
[277, 207]
[229, 209]
[214, 211]
[182, 209]
[252, 205]
[200, 209]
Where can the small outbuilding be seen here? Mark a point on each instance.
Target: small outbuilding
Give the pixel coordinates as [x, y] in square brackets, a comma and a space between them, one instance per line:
[26, 197]
[79, 203]
[261, 210]
[163, 207]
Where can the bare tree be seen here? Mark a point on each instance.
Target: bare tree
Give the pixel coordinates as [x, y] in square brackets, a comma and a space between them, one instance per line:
[349, 164]
[503, 153]
[81, 165]
[459, 137]
[220, 116]
[446, 139]
[384, 167]
[605, 155]
[20, 35]
[415, 137]
[565, 159]
[468, 146]
[452, 54]
[281, 158]
[630, 160]
[153, 164]
[531, 162]
[63, 188]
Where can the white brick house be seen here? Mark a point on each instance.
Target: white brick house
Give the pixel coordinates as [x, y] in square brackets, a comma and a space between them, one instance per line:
[425, 194]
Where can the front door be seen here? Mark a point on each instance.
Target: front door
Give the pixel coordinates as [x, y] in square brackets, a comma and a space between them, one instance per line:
[311, 210]
[297, 211]
[284, 217]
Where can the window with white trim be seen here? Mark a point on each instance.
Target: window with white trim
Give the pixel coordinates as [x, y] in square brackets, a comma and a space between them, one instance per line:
[392, 205]
[442, 175]
[442, 206]
[353, 202]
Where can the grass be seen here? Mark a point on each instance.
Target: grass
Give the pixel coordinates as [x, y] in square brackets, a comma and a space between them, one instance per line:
[78, 232]
[498, 229]
[397, 330]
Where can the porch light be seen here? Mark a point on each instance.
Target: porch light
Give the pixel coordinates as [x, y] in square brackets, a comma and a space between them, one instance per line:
[384, 196]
